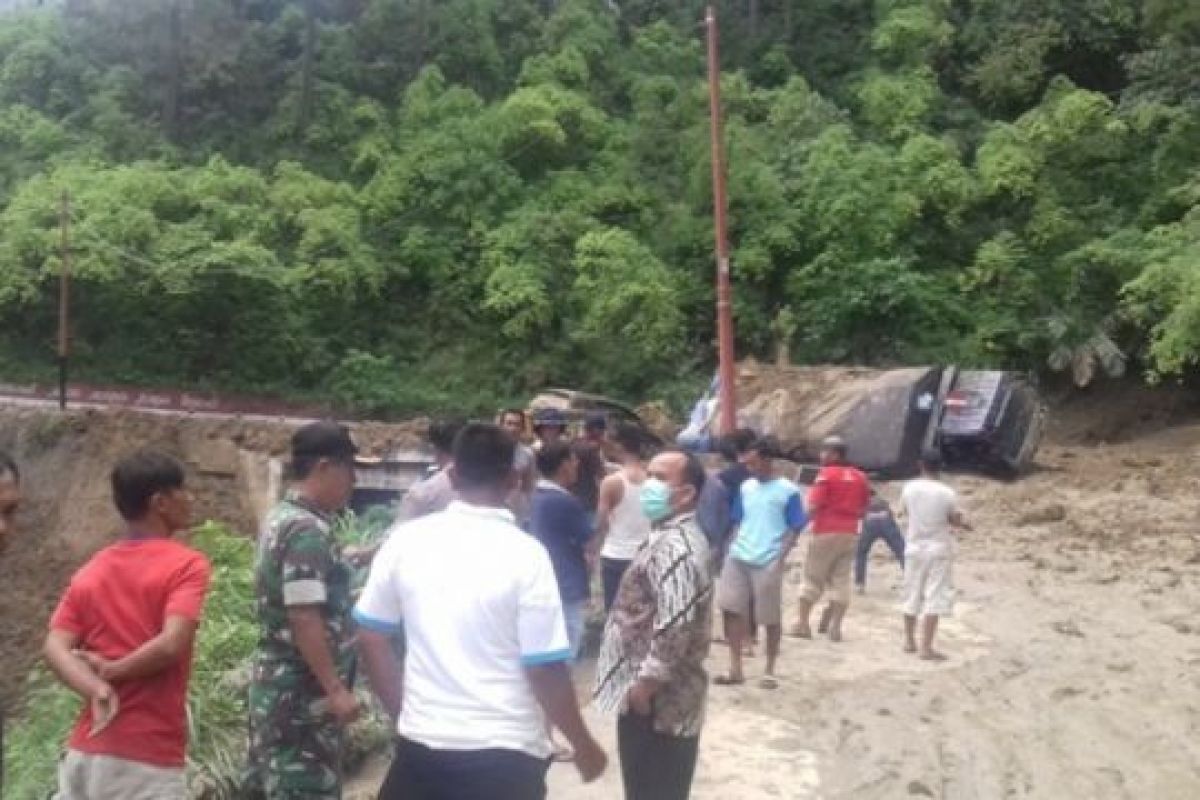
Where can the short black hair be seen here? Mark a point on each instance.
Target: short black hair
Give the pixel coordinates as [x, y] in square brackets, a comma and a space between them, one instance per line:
[931, 460]
[8, 467]
[734, 444]
[694, 474]
[317, 441]
[551, 458]
[443, 432]
[138, 477]
[483, 455]
[765, 446]
[630, 438]
[520, 412]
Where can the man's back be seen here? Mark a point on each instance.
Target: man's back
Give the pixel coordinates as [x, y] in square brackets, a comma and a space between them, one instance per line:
[429, 496]
[478, 601]
[929, 505]
[591, 472]
[839, 499]
[558, 520]
[117, 602]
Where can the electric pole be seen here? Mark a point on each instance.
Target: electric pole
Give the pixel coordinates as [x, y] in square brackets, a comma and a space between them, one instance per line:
[64, 300]
[727, 397]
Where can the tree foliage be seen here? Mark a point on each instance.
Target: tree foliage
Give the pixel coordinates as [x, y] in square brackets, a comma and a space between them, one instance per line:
[401, 204]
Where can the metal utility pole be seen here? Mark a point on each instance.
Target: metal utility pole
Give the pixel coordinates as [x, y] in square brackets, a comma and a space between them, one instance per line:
[725, 355]
[64, 300]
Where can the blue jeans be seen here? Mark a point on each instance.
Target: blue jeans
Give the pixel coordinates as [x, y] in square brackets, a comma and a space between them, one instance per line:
[575, 615]
[890, 533]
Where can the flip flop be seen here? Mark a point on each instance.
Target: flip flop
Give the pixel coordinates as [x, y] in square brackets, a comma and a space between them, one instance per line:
[725, 680]
[767, 682]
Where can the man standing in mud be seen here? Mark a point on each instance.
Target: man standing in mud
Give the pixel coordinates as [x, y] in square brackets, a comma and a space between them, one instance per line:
[837, 503]
[770, 516]
[10, 499]
[300, 697]
[932, 510]
[651, 667]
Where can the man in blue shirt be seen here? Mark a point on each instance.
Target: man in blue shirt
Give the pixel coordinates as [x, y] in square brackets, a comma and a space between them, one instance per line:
[769, 515]
[560, 522]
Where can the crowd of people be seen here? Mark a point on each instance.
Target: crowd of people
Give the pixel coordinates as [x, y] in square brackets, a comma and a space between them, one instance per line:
[476, 607]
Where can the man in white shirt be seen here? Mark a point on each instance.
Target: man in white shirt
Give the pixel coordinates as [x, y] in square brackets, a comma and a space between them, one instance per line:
[487, 648]
[933, 512]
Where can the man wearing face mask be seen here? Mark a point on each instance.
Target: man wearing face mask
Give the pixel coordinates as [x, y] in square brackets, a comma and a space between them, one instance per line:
[651, 667]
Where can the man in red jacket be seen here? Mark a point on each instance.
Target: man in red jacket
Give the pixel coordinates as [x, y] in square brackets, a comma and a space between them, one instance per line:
[836, 504]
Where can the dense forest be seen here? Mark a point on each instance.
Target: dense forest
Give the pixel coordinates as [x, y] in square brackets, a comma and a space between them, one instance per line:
[405, 204]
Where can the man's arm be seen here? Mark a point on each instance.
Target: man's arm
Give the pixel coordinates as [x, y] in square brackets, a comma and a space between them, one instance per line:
[382, 668]
[529, 478]
[74, 672]
[612, 490]
[307, 624]
[154, 656]
[378, 614]
[306, 562]
[545, 652]
[551, 685]
[818, 495]
[795, 519]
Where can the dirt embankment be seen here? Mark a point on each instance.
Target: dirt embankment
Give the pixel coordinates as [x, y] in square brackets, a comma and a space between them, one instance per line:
[68, 514]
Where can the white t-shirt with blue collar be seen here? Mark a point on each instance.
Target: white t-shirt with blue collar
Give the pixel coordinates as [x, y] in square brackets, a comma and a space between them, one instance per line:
[478, 602]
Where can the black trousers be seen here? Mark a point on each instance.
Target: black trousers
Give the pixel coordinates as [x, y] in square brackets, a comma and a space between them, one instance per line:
[611, 572]
[421, 773]
[655, 766]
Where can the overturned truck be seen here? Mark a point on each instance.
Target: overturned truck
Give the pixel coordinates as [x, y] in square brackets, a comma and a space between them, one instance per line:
[990, 420]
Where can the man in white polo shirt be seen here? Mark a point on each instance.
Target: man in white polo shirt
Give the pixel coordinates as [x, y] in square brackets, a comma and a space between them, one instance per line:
[487, 650]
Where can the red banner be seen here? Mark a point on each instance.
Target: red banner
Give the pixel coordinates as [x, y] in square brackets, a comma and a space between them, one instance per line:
[162, 400]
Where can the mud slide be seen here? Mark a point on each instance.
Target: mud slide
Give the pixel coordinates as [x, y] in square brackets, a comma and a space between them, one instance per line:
[1073, 653]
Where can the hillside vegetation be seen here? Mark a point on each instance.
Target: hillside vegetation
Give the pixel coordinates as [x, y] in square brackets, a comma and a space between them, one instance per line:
[405, 204]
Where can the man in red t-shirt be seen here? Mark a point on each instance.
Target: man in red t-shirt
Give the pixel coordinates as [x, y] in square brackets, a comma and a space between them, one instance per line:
[836, 504]
[122, 638]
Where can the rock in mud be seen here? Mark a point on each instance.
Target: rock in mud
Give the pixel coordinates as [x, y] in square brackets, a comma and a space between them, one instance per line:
[919, 789]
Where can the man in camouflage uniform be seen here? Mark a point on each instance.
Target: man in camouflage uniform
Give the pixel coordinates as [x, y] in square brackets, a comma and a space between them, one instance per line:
[299, 694]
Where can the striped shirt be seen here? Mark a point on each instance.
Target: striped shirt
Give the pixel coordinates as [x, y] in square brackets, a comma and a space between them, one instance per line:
[660, 628]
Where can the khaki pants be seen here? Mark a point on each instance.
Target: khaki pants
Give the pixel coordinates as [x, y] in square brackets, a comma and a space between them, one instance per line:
[741, 584]
[82, 776]
[827, 567]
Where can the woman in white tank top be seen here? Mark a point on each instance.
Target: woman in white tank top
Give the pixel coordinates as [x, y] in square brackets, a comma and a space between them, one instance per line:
[621, 527]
